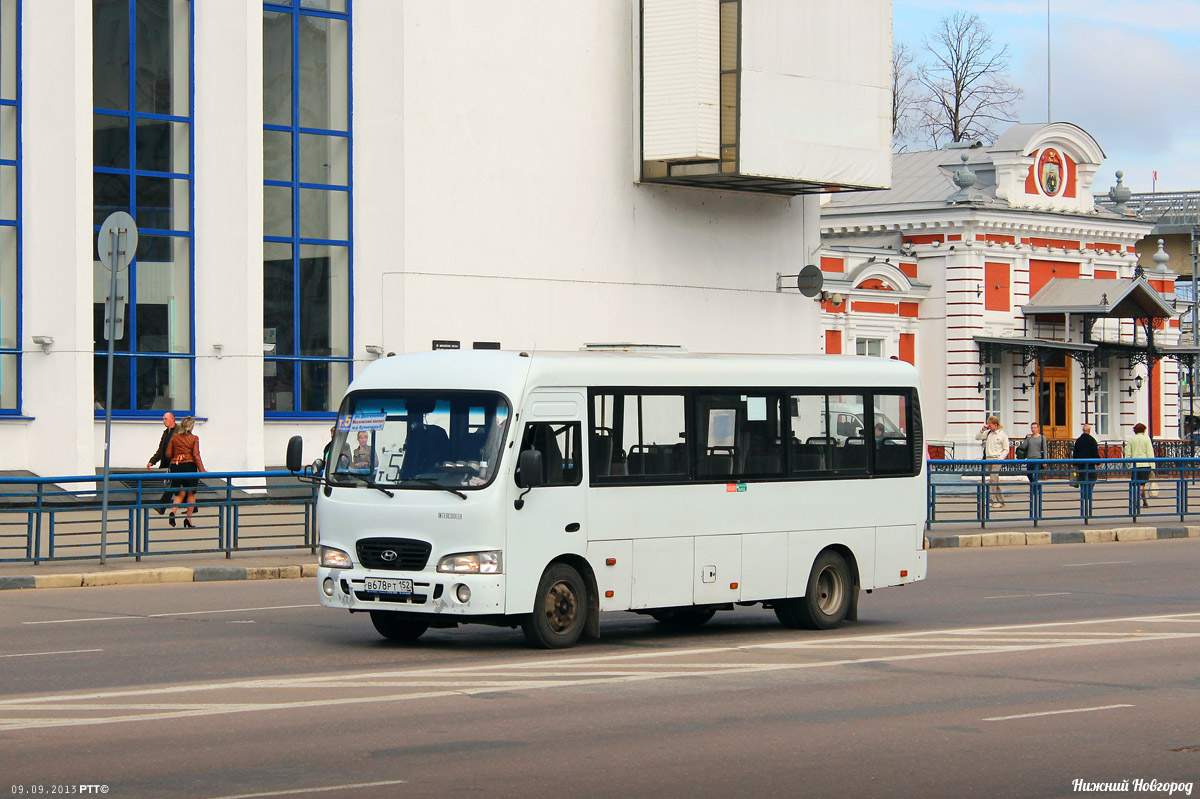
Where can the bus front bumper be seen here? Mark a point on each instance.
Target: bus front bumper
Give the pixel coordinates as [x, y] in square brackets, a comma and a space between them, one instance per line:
[412, 592]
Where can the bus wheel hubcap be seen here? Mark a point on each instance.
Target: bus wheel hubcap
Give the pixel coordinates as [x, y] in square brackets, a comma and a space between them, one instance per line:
[829, 591]
[560, 607]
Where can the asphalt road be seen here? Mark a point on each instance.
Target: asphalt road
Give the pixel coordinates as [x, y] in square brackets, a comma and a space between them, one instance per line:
[1009, 672]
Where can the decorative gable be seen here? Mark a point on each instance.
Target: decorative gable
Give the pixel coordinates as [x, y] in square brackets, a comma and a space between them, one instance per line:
[1049, 167]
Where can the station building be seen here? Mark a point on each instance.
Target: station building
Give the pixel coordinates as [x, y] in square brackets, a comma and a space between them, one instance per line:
[993, 270]
[317, 183]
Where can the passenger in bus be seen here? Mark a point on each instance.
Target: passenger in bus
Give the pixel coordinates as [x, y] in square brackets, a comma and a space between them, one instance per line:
[995, 448]
[363, 452]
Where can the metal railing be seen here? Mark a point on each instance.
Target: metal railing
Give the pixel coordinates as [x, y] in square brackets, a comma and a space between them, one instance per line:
[987, 491]
[59, 518]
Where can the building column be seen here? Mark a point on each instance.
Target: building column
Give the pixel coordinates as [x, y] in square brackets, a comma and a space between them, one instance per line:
[58, 242]
[228, 228]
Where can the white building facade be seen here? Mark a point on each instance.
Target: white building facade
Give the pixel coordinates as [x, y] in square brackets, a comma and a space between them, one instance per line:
[993, 271]
[319, 183]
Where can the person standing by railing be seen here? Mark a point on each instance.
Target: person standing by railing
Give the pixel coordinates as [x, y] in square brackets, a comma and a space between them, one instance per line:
[1140, 446]
[1035, 449]
[1085, 448]
[995, 447]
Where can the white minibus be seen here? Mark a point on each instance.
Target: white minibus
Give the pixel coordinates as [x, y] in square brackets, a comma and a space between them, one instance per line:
[539, 489]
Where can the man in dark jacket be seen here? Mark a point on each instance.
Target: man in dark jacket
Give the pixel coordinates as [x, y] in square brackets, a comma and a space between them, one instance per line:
[1086, 447]
[160, 458]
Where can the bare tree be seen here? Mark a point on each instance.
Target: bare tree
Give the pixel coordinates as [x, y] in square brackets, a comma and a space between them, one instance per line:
[966, 93]
[904, 95]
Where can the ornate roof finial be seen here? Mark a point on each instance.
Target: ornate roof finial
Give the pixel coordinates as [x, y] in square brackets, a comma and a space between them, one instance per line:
[964, 178]
[1161, 257]
[1120, 194]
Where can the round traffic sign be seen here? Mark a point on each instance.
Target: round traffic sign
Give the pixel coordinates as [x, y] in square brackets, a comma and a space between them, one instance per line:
[126, 239]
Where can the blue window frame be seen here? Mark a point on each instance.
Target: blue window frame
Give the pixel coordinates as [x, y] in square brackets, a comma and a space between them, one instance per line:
[307, 207]
[10, 207]
[142, 90]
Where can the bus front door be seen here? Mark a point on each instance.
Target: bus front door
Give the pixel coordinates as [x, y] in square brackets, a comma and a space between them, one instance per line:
[550, 520]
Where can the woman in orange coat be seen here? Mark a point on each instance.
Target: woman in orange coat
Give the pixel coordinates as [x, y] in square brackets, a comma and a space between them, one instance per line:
[183, 453]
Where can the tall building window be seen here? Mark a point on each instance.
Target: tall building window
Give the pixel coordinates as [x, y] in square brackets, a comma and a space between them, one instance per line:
[1102, 401]
[142, 160]
[306, 206]
[993, 385]
[10, 208]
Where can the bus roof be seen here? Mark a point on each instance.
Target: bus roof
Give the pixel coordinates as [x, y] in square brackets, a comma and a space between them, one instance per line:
[510, 372]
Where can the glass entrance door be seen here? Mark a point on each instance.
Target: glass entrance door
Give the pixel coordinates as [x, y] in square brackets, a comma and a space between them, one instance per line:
[1054, 403]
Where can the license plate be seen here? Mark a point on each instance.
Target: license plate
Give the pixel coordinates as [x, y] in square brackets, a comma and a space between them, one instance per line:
[379, 585]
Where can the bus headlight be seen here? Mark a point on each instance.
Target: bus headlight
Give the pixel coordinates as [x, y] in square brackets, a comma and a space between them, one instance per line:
[471, 563]
[333, 558]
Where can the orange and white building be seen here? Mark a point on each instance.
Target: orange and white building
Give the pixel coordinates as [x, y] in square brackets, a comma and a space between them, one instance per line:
[992, 269]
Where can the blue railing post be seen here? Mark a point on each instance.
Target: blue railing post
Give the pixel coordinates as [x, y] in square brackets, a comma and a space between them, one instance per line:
[37, 536]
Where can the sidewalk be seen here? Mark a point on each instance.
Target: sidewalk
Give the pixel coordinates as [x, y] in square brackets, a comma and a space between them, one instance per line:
[1067, 534]
[165, 569]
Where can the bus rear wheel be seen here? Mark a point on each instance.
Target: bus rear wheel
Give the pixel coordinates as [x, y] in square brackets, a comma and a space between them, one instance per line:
[559, 609]
[827, 600]
[396, 626]
[683, 618]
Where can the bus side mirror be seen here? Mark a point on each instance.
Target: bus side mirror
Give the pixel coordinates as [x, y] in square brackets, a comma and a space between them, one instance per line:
[295, 452]
[530, 471]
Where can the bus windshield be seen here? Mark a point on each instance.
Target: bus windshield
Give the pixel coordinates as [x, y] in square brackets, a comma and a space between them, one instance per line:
[418, 439]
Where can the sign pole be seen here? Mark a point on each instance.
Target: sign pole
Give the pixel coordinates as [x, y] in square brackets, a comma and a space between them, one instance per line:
[121, 232]
[117, 253]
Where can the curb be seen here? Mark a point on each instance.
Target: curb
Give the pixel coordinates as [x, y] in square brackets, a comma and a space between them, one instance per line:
[166, 574]
[1041, 537]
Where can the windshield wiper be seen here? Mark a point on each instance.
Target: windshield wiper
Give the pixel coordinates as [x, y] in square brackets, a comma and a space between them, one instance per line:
[368, 482]
[429, 481]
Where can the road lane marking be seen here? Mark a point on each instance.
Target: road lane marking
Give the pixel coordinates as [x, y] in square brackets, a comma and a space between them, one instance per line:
[1026, 596]
[1056, 712]
[402, 685]
[169, 615]
[1098, 563]
[323, 789]
[60, 652]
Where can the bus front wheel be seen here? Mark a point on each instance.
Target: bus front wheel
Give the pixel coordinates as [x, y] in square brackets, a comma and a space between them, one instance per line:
[397, 626]
[827, 600]
[559, 609]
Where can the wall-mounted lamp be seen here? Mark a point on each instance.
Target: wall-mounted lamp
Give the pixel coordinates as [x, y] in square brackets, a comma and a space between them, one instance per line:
[1032, 378]
[44, 342]
[374, 349]
[986, 383]
[1137, 385]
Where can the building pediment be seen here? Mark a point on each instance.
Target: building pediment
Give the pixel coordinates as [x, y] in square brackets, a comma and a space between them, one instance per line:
[1048, 166]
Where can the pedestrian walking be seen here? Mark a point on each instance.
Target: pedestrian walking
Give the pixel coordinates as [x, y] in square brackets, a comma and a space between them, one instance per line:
[995, 447]
[183, 451]
[1140, 446]
[1085, 448]
[159, 458]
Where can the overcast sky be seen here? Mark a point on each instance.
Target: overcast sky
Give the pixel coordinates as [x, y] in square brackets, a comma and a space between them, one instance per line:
[1126, 71]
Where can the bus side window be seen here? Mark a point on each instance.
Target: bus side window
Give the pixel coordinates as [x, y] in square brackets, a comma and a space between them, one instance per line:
[559, 445]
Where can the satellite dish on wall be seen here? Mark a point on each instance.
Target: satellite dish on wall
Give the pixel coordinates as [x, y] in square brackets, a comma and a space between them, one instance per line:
[810, 281]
